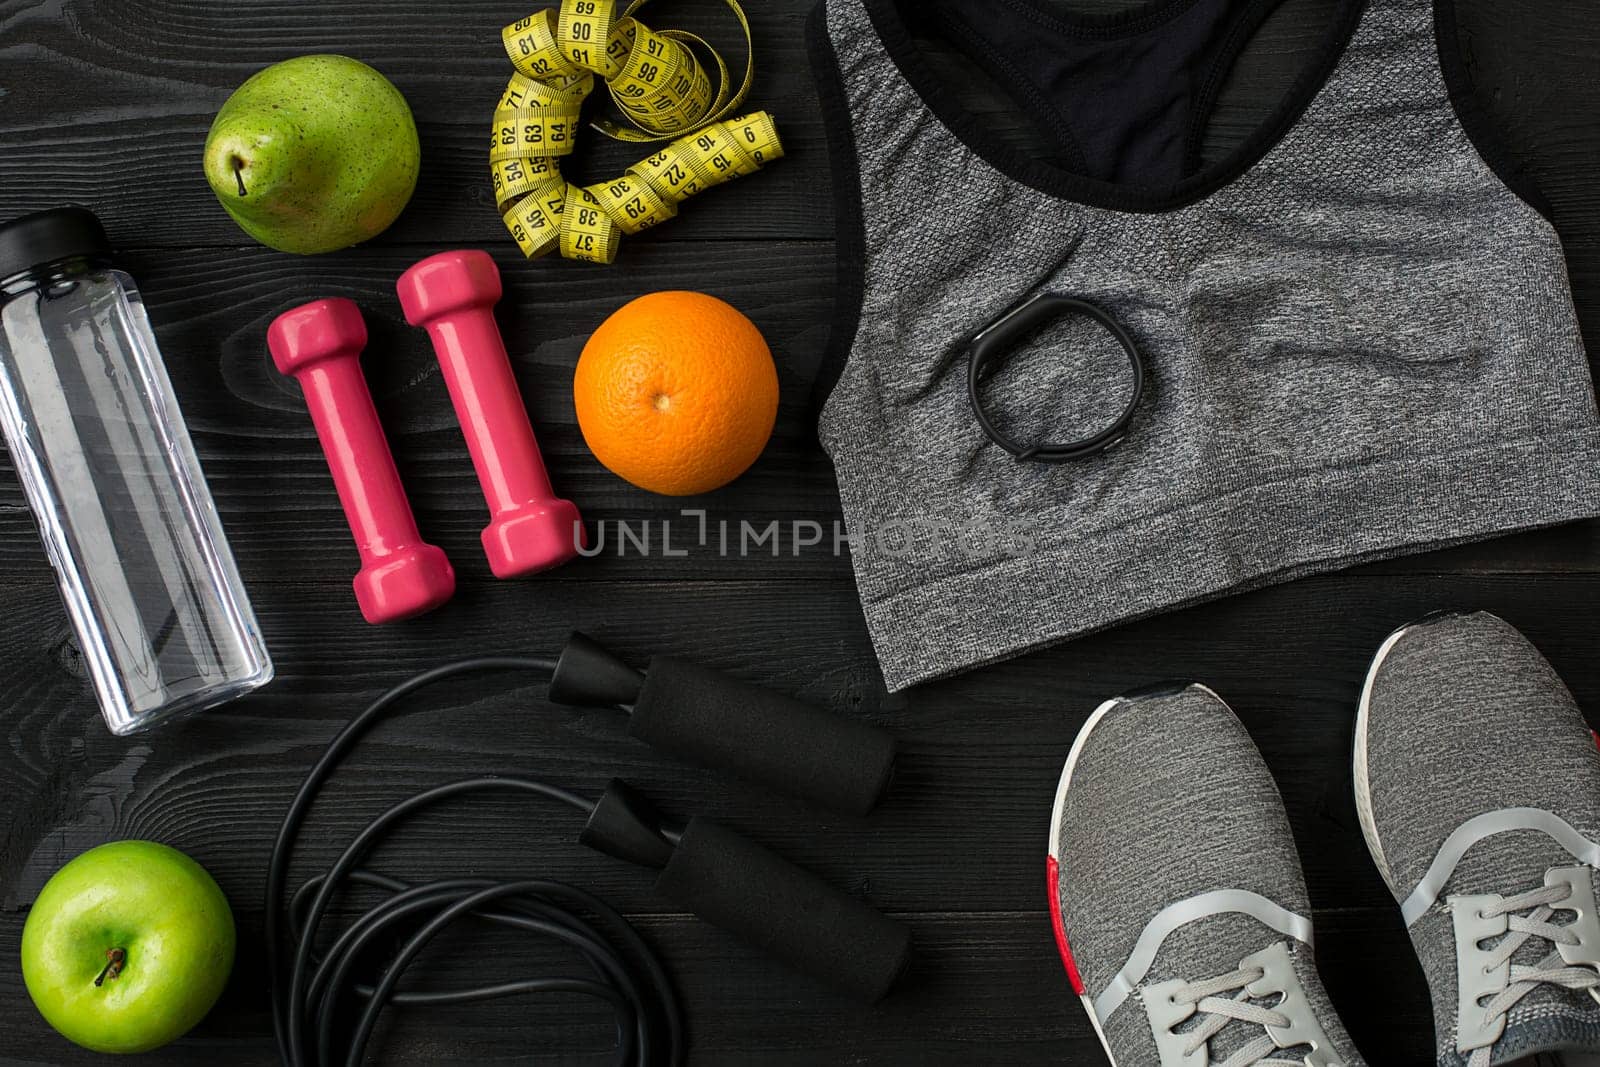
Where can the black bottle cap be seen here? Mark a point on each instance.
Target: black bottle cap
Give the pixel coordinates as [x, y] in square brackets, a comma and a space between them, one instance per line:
[49, 236]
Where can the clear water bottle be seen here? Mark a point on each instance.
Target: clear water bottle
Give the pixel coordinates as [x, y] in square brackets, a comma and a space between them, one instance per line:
[107, 465]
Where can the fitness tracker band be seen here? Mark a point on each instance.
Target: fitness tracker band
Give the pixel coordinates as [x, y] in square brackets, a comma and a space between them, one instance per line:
[995, 343]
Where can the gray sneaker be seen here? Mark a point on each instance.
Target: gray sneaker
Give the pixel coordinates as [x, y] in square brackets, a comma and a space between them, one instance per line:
[1179, 907]
[1478, 787]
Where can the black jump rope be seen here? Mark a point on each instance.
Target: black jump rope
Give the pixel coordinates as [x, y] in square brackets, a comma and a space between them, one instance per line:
[693, 713]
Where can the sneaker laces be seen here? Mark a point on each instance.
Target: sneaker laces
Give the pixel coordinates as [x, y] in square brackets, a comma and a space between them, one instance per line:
[1219, 1012]
[1539, 904]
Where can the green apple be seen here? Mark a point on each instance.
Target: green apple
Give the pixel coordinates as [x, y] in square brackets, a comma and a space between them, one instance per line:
[127, 947]
[314, 154]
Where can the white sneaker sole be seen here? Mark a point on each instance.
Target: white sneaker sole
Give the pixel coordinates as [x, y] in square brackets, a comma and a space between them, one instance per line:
[1360, 772]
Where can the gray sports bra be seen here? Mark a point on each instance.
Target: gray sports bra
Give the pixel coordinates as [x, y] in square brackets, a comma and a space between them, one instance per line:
[1360, 337]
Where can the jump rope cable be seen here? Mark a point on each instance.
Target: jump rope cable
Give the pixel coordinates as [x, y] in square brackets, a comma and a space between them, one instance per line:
[310, 995]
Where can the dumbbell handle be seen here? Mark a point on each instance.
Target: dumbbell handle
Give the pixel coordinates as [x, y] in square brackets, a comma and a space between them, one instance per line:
[363, 469]
[477, 371]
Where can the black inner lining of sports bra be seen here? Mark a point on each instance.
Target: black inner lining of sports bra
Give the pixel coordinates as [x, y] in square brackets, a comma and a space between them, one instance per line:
[1122, 94]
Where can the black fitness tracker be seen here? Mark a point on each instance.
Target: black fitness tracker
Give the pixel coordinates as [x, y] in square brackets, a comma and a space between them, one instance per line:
[996, 341]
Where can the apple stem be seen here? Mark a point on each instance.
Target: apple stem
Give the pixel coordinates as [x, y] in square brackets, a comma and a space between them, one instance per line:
[238, 175]
[115, 958]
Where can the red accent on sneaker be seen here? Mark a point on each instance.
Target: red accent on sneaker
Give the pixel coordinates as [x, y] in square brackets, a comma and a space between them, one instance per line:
[1061, 933]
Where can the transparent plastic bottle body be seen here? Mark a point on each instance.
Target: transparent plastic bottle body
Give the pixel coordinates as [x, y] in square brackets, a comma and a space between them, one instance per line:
[127, 520]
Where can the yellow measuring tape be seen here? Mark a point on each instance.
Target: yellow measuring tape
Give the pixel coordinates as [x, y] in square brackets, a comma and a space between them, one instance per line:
[662, 88]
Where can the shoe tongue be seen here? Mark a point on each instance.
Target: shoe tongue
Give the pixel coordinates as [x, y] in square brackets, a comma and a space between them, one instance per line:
[1212, 947]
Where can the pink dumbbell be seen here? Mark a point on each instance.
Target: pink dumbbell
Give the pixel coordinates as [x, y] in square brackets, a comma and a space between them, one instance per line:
[531, 529]
[401, 575]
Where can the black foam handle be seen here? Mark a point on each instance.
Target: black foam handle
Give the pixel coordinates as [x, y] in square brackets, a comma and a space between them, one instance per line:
[785, 912]
[588, 675]
[708, 718]
[626, 825]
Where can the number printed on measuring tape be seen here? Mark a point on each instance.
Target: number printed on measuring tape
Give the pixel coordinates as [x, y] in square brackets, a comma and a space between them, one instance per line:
[583, 29]
[531, 43]
[619, 42]
[587, 232]
[535, 220]
[533, 133]
[716, 156]
[515, 178]
[632, 203]
[757, 134]
[670, 172]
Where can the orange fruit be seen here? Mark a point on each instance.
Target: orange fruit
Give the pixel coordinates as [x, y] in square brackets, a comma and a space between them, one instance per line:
[677, 393]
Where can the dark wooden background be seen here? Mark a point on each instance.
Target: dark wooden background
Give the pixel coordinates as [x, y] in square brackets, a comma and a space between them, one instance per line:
[107, 102]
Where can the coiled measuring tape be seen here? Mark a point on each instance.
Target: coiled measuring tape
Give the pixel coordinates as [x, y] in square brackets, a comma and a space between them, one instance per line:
[662, 88]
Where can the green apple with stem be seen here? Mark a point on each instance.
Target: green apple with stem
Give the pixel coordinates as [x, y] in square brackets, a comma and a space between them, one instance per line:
[314, 154]
[127, 947]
